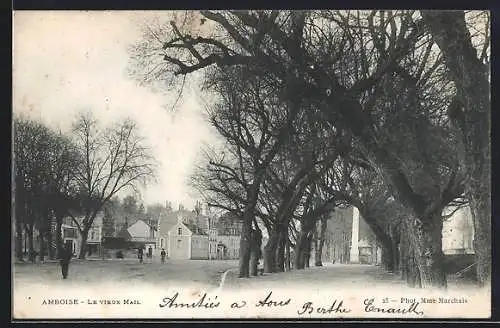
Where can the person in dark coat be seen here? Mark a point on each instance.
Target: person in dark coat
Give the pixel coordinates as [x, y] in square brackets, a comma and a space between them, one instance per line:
[150, 253]
[65, 259]
[33, 255]
[141, 254]
[163, 255]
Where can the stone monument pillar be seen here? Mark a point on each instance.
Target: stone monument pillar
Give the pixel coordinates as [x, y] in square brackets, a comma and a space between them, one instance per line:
[379, 255]
[354, 255]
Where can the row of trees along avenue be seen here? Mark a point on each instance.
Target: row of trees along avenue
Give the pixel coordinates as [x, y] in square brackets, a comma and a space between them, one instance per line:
[75, 174]
[387, 111]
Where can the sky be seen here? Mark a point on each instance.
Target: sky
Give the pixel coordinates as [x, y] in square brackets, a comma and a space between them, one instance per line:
[66, 62]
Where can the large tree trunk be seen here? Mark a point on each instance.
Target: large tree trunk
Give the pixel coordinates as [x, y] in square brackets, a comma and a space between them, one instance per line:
[246, 244]
[19, 238]
[280, 256]
[31, 247]
[395, 256]
[246, 231]
[482, 239]
[298, 260]
[277, 243]
[426, 239]
[256, 250]
[287, 255]
[319, 250]
[413, 273]
[303, 245]
[300, 250]
[403, 252]
[19, 214]
[409, 269]
[315, 242]
[269, 252]
[59, 239]
[274, 250]
[254, 260]
[395, 241]
[471, 115]
[386, 239]
[388, 258]
[83, 243]
[43, 245]
[307, 253]
[44, 235]
[389, 248]
[290, 200]
[280, 250]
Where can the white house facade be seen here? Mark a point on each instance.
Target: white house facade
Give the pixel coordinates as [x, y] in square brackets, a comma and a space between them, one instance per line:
[71, 235]
[457, 236]
[458, 232]
[187, 242]
[179, 242]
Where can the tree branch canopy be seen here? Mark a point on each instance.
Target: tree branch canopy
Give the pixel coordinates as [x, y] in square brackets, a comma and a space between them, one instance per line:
[114, 158]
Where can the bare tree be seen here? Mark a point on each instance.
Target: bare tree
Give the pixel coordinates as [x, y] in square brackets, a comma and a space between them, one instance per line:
[470, 112]
[288, 185]
[369, 52]
[112, 159]
[31, 139]
[61, 191]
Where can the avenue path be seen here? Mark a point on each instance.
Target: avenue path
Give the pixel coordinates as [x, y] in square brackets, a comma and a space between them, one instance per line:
[209, 274]
[128, 271]
[153, 285]
[337, 276]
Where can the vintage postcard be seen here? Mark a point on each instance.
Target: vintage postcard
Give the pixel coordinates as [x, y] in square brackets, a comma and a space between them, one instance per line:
[326, 164]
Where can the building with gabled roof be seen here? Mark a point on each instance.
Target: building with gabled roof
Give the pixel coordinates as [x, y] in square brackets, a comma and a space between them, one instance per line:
[187, 241]
[193, 241]
[139, 235]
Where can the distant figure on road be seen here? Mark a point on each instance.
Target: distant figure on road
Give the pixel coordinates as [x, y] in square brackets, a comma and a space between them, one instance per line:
[32, 256]
[163, 255]
[66, 255]
[140, 254]
[150, 253]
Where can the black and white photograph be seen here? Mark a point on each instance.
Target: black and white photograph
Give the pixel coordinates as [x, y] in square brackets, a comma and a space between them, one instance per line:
[251, 164]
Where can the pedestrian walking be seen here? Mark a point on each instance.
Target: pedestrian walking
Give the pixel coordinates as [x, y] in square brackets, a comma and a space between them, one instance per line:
[140, 254]
[65, 258]
[150, 254]
[163, 255]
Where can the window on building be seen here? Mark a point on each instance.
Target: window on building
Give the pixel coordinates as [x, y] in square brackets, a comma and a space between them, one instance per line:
[179, 231]
[179, 241]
